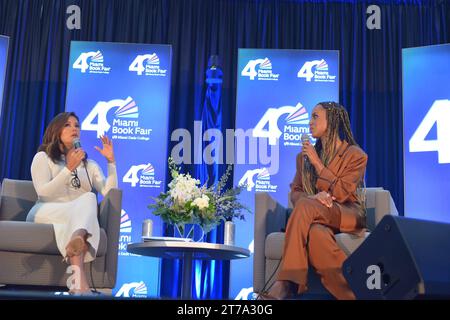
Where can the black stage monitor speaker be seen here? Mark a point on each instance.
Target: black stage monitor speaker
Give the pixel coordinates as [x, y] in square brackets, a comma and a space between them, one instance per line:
[402, 258]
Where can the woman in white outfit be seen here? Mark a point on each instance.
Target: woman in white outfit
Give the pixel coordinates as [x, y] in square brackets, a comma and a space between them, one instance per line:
[63, 180]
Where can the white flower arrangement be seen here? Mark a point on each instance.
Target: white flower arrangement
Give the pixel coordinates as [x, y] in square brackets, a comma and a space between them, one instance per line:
[186, 202]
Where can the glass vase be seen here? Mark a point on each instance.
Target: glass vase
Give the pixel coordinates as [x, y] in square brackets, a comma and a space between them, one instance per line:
[191, 231]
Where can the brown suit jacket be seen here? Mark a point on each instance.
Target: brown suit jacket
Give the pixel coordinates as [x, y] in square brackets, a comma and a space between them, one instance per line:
[340, 178]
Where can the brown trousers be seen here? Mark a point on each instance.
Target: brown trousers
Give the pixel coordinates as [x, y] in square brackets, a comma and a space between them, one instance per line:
[310, 238]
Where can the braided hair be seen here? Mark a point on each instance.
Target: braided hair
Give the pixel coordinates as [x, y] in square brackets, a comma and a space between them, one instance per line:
[338, 126]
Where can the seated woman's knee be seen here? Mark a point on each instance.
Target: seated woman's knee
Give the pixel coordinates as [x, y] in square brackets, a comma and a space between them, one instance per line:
[307, 206]
[90, 197]
[305, 202]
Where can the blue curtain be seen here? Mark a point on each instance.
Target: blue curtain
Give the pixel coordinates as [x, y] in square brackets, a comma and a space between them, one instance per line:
[207, 278]
[370, 63]
[208, 274]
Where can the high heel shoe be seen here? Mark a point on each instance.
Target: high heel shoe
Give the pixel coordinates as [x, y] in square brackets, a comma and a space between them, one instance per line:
[76, 246]
[281, 290]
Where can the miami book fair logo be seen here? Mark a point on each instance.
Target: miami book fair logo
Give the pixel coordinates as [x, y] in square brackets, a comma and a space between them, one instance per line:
[142, 175]
[260, 69]
[293, 125]
[258, 179]
[147, 64]
[125, 233]
[124, 124]
[133, 290]
[92, 62]
[316, 70]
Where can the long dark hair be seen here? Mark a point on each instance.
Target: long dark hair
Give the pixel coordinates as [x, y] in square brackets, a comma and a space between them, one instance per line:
[51, 142]
[338, 125]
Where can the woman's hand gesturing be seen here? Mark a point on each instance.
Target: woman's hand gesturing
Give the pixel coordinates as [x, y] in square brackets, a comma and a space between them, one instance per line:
[107, 151]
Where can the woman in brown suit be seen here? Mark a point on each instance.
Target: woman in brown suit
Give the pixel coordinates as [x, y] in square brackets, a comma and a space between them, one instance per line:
[328, 197]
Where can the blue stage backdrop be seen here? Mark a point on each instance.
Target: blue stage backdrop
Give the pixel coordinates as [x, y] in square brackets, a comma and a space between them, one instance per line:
[276, 92]
[426, 118]
[3, 63]
[123, 90]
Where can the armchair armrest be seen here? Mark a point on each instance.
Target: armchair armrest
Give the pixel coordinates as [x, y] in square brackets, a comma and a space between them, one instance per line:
[109, 219]
[384, 204]
[17, 197]
[270, 216]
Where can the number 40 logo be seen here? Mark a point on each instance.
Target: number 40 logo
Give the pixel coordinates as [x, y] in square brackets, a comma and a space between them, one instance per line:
[250, 69]
[306, 70]
[439, 113]
[132, 174]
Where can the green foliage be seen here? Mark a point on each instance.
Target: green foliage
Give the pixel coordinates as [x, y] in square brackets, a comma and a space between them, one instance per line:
[187, 203]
